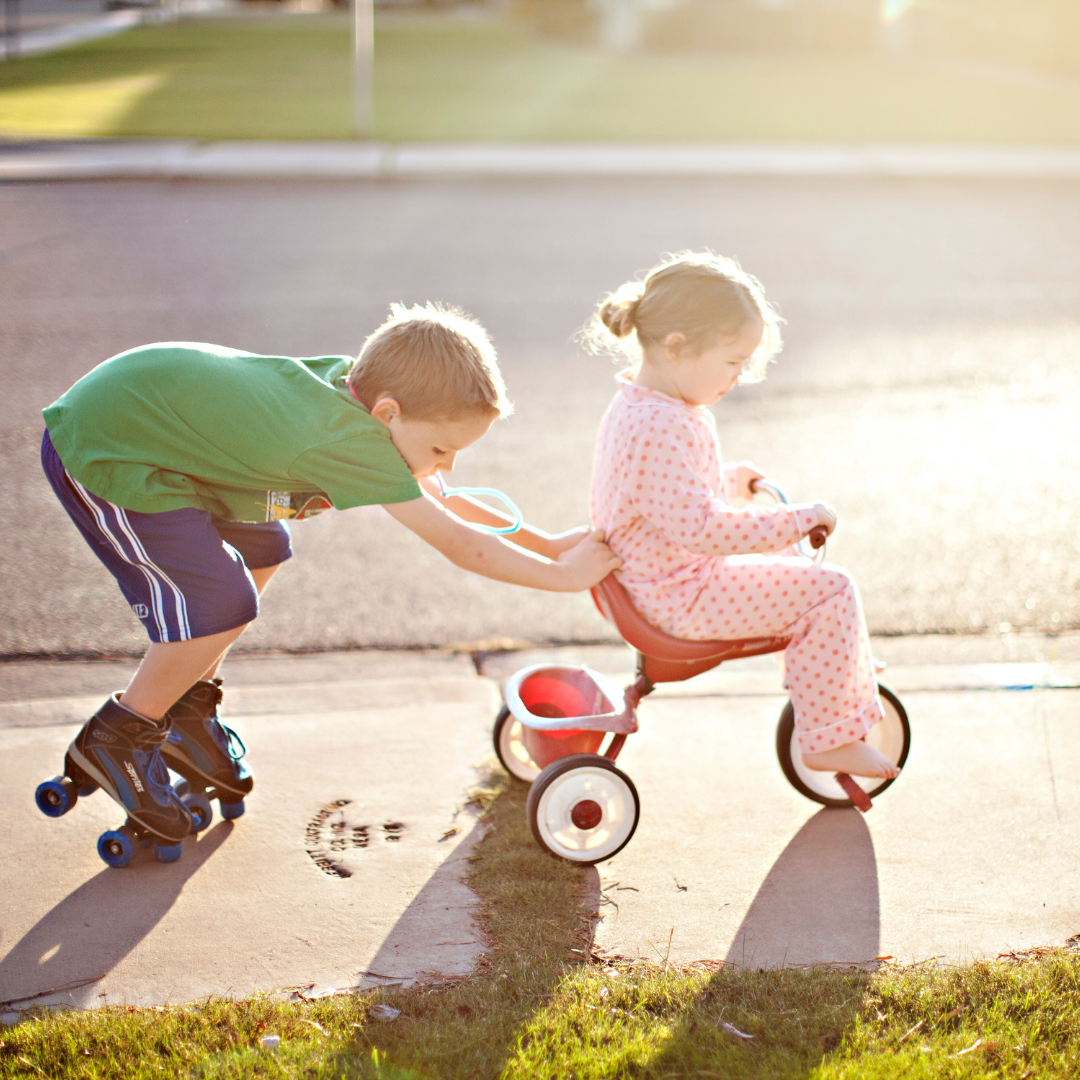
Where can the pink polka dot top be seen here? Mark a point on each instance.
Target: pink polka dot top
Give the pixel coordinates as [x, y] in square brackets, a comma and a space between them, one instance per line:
[658, 494]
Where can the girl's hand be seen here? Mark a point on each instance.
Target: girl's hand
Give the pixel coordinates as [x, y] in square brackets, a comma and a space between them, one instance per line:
[826, 517]
[738, 479]
[588, 562]
[560, 542]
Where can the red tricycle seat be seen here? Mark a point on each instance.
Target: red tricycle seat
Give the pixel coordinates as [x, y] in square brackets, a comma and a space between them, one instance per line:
[664, 658]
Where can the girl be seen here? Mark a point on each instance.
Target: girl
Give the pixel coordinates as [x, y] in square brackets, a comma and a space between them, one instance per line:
[695, 566]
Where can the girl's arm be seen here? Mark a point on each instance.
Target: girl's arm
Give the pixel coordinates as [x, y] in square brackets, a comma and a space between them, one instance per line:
[580, 567]
[672, 491]
[551, 546]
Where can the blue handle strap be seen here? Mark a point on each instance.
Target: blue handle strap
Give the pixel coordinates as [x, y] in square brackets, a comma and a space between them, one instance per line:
[491, 493]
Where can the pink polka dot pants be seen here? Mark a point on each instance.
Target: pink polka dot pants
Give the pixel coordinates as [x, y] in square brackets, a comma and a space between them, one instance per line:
[828, 668]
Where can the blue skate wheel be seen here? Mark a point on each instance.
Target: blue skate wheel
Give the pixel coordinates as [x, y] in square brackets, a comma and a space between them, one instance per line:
[88, 789]
[182, 788]
[202, 813]
[56, 797]
[168, 852]
[116, 848]
[230, 811]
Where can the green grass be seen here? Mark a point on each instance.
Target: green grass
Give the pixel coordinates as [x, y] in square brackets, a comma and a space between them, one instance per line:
[541, 1007]
[437, 79]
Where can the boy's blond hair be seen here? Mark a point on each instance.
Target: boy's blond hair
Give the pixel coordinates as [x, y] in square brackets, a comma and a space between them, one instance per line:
[704, 296]
[434, 361]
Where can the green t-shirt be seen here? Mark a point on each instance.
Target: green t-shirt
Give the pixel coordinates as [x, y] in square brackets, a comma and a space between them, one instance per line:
[247, 437]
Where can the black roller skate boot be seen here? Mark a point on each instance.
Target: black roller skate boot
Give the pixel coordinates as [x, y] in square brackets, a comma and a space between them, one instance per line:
[120, 751]
[206, 753]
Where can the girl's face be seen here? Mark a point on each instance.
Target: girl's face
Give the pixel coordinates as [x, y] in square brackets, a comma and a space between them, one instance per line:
[704, 379]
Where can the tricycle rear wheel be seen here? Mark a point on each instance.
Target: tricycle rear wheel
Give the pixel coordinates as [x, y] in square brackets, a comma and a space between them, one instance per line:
[510, 747]
[583, 808]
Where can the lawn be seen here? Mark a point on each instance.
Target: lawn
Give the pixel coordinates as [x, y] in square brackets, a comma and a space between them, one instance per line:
[542, 1007]
[485, 80]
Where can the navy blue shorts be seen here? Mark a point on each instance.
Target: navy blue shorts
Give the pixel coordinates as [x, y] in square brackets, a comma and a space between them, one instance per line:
[185, 573]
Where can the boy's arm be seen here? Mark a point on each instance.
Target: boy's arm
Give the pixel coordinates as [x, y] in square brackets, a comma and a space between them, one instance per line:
[551, 546]
[581, 567]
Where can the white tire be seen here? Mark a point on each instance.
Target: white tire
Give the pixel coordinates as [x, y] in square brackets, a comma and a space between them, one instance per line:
[582, 808]
[892, 737]
[510, 747]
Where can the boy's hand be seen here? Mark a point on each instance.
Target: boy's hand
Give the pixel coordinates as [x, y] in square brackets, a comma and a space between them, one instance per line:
[589, 561]
[560, 542]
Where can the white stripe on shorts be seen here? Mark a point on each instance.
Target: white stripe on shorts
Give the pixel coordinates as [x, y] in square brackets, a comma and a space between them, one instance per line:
[144, 564]
[178, 597]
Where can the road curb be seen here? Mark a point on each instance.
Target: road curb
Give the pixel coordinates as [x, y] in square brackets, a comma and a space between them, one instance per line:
[190, 159]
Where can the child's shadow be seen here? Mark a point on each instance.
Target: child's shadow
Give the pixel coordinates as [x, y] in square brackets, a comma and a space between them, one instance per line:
[819, 902]
[92, 929]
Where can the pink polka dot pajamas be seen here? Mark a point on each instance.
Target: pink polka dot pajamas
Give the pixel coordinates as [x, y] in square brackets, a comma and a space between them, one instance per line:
[701, 570]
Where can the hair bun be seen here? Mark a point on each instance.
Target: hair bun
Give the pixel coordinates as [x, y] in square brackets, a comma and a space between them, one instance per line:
[619, 312]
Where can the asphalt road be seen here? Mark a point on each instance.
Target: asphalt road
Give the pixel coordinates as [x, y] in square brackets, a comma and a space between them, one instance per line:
[929, 388]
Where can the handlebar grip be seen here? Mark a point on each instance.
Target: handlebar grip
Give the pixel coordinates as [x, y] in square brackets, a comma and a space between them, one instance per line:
[817, 536]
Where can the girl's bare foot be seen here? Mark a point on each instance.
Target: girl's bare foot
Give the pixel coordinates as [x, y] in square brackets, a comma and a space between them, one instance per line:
[855, 759]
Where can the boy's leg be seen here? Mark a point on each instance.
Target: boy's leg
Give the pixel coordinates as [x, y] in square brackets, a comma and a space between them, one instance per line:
[207, 753]
[194, 596]
[261, 576]
[169, 668]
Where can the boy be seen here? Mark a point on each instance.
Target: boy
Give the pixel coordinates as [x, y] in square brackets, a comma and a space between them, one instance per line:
[181, 464]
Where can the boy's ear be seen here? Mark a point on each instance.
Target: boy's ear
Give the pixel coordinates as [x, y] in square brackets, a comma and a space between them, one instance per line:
[386, 410]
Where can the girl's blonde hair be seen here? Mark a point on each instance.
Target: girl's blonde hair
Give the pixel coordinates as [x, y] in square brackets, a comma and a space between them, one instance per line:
[703, 296]
[434, 361]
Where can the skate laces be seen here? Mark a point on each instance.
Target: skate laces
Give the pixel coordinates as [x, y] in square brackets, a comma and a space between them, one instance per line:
[155, 772]
[146, 751]
[226, 739]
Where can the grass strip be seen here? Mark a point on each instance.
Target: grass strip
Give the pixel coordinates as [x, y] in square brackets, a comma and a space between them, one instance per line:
[541, 1007]
[438, 79]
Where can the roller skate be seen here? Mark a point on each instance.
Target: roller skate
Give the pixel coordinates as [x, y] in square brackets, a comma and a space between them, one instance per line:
[206, 753]
[120, 751]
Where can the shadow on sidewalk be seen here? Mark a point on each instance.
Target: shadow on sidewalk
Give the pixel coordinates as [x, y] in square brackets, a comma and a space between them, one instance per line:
[91, 930]
[819, 902]
[429, 930]
[817, 906]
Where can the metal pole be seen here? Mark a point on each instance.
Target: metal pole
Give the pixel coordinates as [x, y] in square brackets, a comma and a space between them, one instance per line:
[11, 28]
[364, 69]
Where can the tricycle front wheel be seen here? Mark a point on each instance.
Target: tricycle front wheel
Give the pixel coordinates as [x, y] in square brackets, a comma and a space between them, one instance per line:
[892, 737]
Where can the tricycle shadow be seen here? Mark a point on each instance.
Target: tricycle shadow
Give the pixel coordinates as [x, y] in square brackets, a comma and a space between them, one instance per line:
[819, 902]
[91, 930]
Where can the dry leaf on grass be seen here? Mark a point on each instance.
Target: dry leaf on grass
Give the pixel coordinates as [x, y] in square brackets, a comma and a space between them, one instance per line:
[910, 1031]
[735, 1033]
[974, 1046]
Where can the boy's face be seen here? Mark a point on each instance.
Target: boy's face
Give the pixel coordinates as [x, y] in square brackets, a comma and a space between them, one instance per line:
[430, 446]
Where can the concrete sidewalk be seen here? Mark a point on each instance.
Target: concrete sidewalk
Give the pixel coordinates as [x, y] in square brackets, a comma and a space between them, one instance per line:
[191, 159]
[972, 852]
[346, 871]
